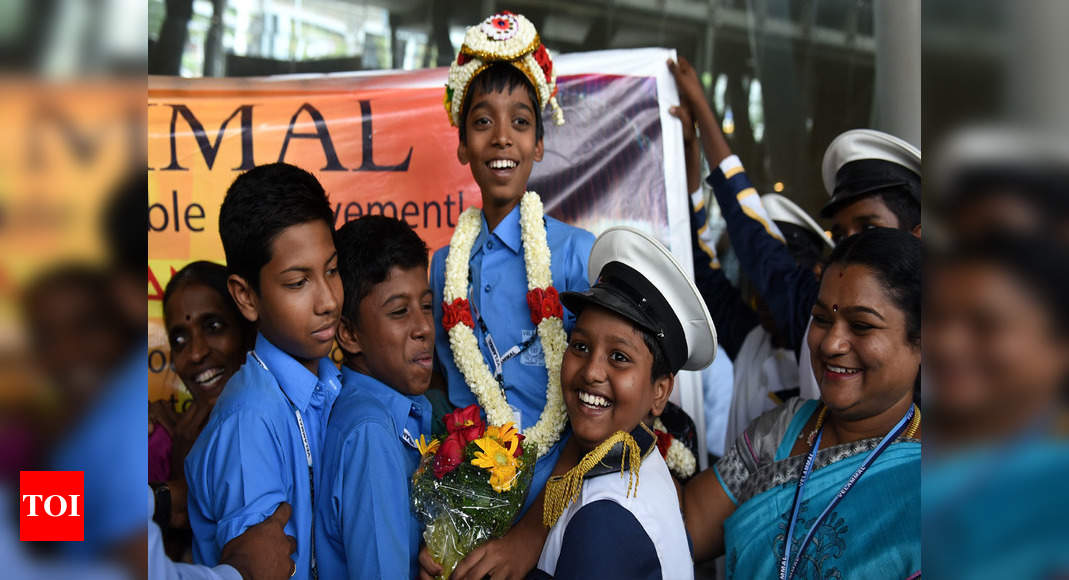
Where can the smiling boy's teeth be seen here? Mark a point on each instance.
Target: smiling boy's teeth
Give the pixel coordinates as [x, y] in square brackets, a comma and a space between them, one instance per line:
[842, 370]
[502, 164]
[208, 376]
[593, 400]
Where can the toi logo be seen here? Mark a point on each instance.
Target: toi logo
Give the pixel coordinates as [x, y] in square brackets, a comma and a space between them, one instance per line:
[51, 506]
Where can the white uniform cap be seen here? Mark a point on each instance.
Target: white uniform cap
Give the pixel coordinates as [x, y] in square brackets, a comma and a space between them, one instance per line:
[782, 209]
[634, 276]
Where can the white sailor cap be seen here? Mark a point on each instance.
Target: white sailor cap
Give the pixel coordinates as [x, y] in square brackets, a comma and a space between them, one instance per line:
[782, 209]
[634, 276]
[862, 161]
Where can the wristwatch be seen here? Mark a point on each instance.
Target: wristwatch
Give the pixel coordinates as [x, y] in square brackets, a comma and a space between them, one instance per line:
[162, 514]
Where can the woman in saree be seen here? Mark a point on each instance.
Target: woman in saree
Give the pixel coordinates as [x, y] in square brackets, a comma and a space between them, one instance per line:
[830, 488]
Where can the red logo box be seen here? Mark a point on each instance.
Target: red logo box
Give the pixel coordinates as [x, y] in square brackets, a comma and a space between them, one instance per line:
[51, 506]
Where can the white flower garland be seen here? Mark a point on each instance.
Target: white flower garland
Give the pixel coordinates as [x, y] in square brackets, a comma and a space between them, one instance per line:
[469, 359]
[679, 458]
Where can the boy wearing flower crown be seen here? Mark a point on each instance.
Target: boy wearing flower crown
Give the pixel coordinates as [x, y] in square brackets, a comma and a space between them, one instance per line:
[364, 525]
[496, 285]
[640, 322]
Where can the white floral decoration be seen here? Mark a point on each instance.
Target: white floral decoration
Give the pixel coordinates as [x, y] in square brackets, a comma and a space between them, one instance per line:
[679, 458]
[465, 347]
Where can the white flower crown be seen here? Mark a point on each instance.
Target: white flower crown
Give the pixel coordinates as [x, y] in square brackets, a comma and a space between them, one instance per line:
[503, 37]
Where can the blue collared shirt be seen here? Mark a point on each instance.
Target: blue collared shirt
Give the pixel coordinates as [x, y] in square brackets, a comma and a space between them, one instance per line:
[250, 456]
[498, 290]
[365, 527]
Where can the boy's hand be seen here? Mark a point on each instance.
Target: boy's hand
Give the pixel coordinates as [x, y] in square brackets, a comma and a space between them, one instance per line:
[690, 88]
[263, 551]
[691, 148]
[692, 96]
[184, 433]
[510, 556]
[682, 112]
[428, 568]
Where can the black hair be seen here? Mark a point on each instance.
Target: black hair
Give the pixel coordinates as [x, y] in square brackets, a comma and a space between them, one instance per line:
[90, 281]
[497, 78]
[259, 205]
[896, 257]
[804, 244]
[1036, 263]
[368, 248]
[208, 274]
[1043, 189]
[659, 368]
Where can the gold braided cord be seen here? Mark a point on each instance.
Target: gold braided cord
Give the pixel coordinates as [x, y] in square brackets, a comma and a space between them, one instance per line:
[562, 490]
[490, 57]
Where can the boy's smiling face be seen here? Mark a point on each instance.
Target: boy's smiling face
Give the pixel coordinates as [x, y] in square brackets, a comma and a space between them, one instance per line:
[605, 378]
[393, 334]
[300, 297]
[500, 145]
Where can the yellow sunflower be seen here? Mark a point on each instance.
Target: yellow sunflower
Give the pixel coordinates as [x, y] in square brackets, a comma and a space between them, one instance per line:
[505, 435]
[498, 461]
[425, 448]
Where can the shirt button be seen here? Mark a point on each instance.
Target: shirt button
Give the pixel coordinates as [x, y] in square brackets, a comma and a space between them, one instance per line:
[486, 288]
[489, 244]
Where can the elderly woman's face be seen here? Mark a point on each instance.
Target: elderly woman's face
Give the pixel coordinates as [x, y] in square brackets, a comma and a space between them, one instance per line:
[862, 358]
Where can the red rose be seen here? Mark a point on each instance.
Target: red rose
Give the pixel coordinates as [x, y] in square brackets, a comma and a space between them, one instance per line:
[544, 304]
[462, 59]
[459, 312]
[466, 424]
[519, 448]
[664, 440]
[449, 456]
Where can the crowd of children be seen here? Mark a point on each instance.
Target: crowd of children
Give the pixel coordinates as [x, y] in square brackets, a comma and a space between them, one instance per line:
[575, 341]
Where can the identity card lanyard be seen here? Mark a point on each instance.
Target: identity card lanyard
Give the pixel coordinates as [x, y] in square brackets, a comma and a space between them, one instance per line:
[499, 359]
[893, 434]
[308, 455]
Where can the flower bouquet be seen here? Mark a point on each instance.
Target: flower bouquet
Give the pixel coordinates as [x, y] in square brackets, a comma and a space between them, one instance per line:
[469, 485]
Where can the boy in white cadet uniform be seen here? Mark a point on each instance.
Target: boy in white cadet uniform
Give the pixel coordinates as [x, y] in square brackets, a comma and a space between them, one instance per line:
[641, 321]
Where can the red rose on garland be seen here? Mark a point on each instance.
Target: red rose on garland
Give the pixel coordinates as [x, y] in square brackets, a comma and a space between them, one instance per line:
[544, 304]
[466, 424]
[459, 312]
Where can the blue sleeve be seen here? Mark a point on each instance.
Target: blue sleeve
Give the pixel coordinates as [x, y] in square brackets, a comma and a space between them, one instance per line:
[733, 318]
[237, 475]
[604, 540]
[789, 290]
[374, 506]
[441, 339]
[576, 279]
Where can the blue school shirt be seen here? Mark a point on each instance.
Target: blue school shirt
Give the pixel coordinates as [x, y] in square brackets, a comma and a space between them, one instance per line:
[498, 289]
[365, 527]
[250, 456]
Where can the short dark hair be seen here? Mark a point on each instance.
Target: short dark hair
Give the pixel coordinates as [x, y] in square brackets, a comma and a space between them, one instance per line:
[211, 275]
[259, 205]
[901, 203]
[896, 257]
[659, 368]
[368, 248]
[498, 78]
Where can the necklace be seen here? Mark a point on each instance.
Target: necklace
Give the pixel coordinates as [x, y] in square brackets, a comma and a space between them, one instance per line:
[911, 430]
[546, 313]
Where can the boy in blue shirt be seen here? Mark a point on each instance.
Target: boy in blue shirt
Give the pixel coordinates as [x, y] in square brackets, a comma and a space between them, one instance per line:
[364, 525]
[264, 437]
[497, 88]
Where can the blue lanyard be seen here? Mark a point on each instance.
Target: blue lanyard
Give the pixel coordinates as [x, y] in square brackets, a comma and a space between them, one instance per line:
[893, 434]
